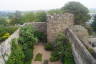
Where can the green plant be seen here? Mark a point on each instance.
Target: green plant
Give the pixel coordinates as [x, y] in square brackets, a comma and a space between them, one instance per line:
[62, 50]
[38, 57]
[27, 40]
[80, 12]
[54, 56]
[48, 46]
[5, 32]
[41, 36]
[17, 54]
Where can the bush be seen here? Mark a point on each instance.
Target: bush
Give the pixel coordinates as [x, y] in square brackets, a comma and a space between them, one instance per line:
[62, 51]
[27, 40]
[17, 54]
[40, 36]
[38, 57]
[48, 47]
[54, 56]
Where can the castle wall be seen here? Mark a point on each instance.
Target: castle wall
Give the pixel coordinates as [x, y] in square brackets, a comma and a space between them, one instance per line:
[80, 52]
[58, 23]
[5, 47]
[40, 26]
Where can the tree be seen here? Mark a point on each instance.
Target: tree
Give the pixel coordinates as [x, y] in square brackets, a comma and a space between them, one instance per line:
[3, 21]
[94, 24]
[57, 11]
[15, 18]
[40, 16]
[80, 12]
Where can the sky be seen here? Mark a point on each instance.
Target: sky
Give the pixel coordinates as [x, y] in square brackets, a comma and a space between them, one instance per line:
[28, 5]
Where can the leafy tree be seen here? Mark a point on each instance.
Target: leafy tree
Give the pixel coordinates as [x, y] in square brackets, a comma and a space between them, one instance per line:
[3, 21]
[58, 11]
[15, 18]
[28, 17]
[80, 12]
[94, 24]
[40, 16]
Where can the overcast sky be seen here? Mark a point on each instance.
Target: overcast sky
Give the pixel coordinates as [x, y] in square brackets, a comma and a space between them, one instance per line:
[27, 5]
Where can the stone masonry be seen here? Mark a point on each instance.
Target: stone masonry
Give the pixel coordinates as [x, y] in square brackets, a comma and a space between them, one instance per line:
[58, 23]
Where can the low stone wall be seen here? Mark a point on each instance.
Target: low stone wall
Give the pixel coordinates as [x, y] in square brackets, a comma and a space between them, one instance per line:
[81, 54]
[5, 47]
[40, 26]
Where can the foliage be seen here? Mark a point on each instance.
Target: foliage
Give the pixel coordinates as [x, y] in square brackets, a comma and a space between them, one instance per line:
[62, 51]
[28, 17]
[94, 24]
[27, 41]
[40, 16]
[6, 31]
[17, 55]
[3, 21]
[40, 36]
[28, 37]
[19, 18]
[38, 57]
[48, 46]
[57, 11]
[80, 12]
[54, 56]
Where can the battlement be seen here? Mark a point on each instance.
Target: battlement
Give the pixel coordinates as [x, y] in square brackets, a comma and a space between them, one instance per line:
[59, 17]
[57, 23]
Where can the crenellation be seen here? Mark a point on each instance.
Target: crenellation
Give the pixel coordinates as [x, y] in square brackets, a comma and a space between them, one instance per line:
[58, 23]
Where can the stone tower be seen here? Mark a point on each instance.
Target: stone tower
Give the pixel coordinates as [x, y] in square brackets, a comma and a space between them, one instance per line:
[58, 23]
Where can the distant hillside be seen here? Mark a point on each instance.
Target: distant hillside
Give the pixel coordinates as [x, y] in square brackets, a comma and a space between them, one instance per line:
[5, 13]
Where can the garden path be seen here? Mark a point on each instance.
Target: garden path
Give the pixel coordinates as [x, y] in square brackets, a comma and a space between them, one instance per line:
[45, 55]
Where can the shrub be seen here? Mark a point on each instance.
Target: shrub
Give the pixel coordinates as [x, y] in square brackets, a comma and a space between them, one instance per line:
[41, 36]
[17, 54]
[27, 41]
[38, 57]
[54, 56]
[48, 47]
[62, 51]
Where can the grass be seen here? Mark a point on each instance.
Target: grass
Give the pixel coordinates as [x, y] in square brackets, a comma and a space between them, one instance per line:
[38, 57]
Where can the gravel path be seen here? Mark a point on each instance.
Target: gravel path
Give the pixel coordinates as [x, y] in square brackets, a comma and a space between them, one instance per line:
[45, 55]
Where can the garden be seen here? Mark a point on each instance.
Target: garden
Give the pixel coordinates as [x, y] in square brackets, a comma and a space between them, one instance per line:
[23, 48]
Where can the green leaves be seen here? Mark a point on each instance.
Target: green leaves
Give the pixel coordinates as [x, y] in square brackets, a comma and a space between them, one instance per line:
[62, 51]
[17, 55]
[80, 11]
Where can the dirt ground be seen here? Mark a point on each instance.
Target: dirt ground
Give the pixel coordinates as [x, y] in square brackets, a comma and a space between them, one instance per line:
[45, 55]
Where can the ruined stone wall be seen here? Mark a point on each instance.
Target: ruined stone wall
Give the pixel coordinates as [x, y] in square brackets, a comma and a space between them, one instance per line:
[40, 26]
[58, 23]
[5, 47]
[81, 54]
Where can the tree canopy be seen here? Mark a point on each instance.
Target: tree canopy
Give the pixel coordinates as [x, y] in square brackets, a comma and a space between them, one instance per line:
[80, 11]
